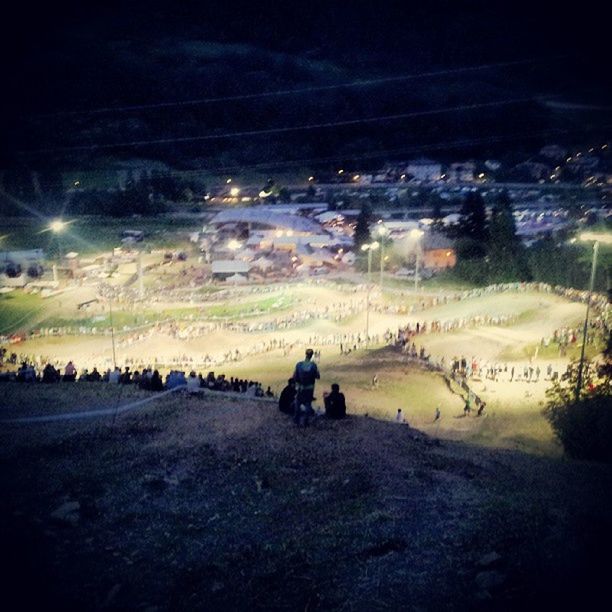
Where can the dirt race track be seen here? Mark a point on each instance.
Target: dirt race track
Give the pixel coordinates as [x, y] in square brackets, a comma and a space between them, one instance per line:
[271, 326]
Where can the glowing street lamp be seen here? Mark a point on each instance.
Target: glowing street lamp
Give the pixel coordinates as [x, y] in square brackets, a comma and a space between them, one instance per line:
[372, 246]
[417, 234]
[235, 192]
[382, 232]
[596, 238]
[234, 245]
[57, 226]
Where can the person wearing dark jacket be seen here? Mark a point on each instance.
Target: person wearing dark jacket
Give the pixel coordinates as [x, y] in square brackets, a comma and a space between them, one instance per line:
[156, 382]
[305, 375]
[286, 400]
[335, 404]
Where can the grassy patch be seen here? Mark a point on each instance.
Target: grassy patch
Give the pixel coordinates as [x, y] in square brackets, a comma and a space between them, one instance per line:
[252, 308]
[18, 309]
[89, 235]
[549, 352]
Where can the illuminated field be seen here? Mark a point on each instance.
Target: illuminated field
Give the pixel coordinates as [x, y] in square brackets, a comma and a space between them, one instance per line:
[270, 327]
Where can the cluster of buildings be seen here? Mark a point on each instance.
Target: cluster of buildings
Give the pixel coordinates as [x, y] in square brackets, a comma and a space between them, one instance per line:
[303, 240]
[276, 241]
[589, 166]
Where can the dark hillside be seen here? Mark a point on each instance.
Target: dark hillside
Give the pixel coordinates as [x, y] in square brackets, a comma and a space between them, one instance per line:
[223, 504]
[104, 58]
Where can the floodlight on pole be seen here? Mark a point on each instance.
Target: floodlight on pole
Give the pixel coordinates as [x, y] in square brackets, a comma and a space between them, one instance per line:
[382, 232]
[587, 236]
[369, 247]
[57, 226]
[417, 234]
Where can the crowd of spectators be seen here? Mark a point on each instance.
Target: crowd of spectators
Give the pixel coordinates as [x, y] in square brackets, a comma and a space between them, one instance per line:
[144, 378]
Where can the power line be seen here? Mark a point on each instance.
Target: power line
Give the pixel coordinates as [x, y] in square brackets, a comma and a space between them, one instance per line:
[282, 130]
[451, 144]
[299, 90]
[415, 149]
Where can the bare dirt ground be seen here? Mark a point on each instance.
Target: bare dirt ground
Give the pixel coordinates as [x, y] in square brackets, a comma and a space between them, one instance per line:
[222, 504]
[513, 409]
[543, 314]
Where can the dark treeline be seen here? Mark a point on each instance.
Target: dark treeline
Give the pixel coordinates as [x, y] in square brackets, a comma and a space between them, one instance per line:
[489, 250]
[25, 193]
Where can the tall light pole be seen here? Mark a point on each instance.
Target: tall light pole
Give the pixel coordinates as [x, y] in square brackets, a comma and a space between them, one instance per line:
[596, 238]
[586, 318]
[107, 292]
[382, 232]
[57, 226]
[372, 246]
[110, 312]
[417, 234]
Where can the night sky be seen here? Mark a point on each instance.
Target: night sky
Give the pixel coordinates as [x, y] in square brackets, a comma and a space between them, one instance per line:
[71, 57]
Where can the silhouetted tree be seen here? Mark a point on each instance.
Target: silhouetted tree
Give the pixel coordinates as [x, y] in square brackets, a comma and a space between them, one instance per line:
[284, 195]
[362, 229]
[471, 230]
[436, 211]
[473, 221]
[507, 256]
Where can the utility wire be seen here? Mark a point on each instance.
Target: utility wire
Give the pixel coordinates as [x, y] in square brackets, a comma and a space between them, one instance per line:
[283, 130]
[299, 90]
[314, 161]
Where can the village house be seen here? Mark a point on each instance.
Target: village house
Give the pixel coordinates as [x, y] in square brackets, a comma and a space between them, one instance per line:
[438, 251]
[461, 172]
[423, 170]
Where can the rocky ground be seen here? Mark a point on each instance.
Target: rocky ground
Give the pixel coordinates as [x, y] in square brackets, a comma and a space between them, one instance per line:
[222, 504]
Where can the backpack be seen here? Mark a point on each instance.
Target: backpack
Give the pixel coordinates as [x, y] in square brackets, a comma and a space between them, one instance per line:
[307, 372]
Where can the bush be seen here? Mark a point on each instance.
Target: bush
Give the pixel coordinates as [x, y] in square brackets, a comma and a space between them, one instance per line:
[584, 428]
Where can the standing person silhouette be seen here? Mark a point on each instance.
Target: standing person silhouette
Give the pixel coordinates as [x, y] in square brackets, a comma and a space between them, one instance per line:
[305, 374]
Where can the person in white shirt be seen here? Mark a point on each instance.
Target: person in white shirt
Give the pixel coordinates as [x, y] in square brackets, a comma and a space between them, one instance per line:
[193, 383]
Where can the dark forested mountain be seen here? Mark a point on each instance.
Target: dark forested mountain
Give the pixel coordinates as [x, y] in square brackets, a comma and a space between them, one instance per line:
[85, 83]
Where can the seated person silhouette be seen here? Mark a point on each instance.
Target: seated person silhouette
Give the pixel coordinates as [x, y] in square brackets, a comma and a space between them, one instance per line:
[335, 404]
[286, 400]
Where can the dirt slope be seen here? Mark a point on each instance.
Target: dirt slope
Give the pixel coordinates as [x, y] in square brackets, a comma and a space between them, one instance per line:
[222, 504]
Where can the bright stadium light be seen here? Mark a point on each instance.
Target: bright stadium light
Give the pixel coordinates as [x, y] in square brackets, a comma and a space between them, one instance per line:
[57, 226]
[417, 234]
